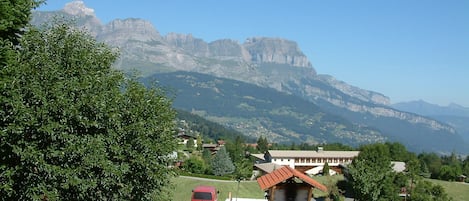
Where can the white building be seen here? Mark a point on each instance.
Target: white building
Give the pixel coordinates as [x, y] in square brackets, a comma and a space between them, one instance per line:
[306, 160]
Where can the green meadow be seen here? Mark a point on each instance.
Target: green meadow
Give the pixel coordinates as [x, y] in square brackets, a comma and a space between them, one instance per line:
[247, 189]
[250, 189]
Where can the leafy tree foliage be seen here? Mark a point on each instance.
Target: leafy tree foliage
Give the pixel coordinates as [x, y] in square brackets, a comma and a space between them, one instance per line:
[190, 145]
[222, 164]
[243, 168]
[14, 16]
[74, 129]
[194, 165]
[371, 174]
[199, 142]
[432, 161]
[465, 168]
[426, 191]
[262, 144]
[398, 152]
[207, 157]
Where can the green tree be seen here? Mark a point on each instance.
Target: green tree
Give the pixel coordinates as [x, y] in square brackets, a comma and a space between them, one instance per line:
[207, 157]
[15, 15]
[72, 128]
[426, 191]
[199, 142]
[397, 151]
[262, 144]
[243, 168]
[325, 169]
[190, 145]
[371, 174]
[432, 161]
[222, 164]
[236, 149]
[194, 165]
[449, 173]
[465, 168]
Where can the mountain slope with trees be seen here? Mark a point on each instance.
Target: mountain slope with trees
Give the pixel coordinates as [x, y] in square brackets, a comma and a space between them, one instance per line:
[260, 111]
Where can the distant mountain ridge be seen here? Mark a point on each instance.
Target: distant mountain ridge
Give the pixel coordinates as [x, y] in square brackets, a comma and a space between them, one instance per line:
[454, 115]
[428, 109]
[266, 62]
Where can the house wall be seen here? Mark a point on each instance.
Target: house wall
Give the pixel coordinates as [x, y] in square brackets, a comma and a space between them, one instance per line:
[310, 162]
[302, 193]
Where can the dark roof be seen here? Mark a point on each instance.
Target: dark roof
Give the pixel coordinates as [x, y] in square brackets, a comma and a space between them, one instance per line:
[284, 173]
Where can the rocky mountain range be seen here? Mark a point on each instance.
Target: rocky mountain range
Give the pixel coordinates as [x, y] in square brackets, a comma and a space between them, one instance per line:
[273, 63]
[454, 115]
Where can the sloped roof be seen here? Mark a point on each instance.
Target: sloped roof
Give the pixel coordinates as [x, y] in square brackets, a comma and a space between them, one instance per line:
[284, 173]
[259, 156]
[268, 167]
[398, 166]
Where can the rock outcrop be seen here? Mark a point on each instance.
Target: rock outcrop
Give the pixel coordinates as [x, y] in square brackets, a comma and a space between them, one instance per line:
[276, 50]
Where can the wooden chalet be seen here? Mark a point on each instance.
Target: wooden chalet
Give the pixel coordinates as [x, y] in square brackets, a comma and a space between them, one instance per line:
[288, 184]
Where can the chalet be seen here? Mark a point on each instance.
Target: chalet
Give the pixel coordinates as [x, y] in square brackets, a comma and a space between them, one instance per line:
[184, 138]
[213, 148]
[287, 183]
[307, 160]
[462, 178]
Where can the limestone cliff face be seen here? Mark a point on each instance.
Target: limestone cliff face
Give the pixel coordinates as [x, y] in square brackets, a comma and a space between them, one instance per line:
[275, 50]
[129, 29]
[188, 43]
[226, 49]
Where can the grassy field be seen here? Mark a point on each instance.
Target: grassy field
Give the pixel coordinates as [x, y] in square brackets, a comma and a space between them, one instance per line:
[247, 189]
[458, 191]
[250, 189]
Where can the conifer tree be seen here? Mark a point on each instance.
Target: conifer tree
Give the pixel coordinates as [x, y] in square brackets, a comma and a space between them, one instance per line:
[325, 169]
[222, 164]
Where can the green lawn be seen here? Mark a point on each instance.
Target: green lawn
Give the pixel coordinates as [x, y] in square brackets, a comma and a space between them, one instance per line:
[247, 189]
[458, 191]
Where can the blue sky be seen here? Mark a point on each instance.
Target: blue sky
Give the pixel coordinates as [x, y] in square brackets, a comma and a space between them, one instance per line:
[404, 49]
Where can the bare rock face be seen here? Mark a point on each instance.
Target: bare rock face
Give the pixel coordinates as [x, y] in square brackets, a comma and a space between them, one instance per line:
[188, 43]
[129, 29]
[227, 48]
[275, 50]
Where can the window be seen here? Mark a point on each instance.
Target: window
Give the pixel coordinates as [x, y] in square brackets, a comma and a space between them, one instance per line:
[202, 196]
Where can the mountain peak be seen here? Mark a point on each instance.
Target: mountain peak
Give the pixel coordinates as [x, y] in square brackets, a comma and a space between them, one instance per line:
[78, 8]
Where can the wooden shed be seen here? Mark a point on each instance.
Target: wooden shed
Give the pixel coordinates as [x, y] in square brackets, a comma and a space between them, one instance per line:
[288, 184]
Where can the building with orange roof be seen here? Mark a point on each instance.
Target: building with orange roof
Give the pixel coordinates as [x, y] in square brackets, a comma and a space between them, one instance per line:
[287, 183]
